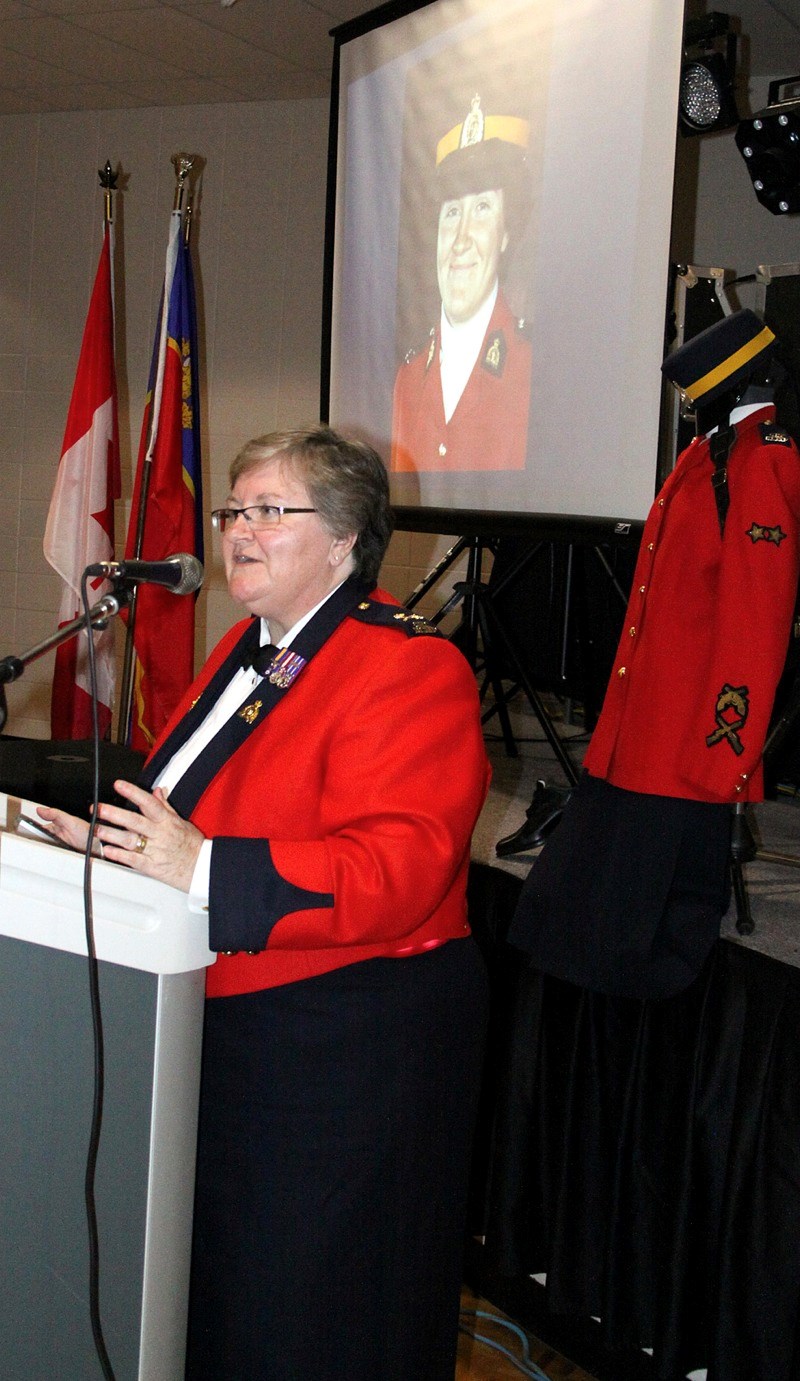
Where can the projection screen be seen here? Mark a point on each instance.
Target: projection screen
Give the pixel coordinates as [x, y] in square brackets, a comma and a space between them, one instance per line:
[558, 414]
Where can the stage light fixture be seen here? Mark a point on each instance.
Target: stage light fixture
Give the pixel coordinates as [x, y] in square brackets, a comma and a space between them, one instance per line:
[770, 146]
[706, 100]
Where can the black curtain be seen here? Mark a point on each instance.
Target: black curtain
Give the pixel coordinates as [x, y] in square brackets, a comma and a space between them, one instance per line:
[646, 1155]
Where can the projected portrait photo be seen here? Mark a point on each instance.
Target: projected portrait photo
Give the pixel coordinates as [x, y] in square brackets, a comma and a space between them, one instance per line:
[461, 399]
[497, 251]
[463, 347]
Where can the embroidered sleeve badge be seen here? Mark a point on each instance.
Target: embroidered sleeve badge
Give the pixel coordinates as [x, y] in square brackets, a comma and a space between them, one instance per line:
[759, 532]
[730, 712]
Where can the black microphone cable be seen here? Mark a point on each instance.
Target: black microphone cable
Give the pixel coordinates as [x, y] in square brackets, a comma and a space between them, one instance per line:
[97, 1016]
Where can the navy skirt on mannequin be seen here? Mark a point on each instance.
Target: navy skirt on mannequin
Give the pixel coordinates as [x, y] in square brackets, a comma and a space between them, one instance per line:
[336, 1121]
[628, 893]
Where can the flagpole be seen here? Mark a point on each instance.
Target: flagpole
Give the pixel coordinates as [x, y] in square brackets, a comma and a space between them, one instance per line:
[183, 166]
[79, 530]
[108, 182]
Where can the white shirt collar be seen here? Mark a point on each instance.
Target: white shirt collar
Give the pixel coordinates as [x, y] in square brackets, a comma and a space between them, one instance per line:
[243, 681]
[460, 347]
[458, 336]
[739, 413]
[292, 633]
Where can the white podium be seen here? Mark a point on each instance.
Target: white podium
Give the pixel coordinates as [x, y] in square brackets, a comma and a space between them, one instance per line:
[153, 953]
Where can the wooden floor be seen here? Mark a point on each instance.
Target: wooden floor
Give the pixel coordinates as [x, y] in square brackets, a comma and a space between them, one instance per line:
[478, 1362]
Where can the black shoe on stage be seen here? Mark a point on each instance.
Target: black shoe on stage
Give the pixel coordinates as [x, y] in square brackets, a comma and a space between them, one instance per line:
[541, 818]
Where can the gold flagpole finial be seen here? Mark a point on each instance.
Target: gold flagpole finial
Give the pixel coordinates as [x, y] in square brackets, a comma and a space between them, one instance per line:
[183, 166]
[108, 182]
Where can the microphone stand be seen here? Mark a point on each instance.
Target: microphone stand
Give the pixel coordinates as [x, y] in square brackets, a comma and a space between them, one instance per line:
[11, 668]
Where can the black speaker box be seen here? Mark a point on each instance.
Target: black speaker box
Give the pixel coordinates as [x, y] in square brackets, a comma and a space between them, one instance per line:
[61, 773]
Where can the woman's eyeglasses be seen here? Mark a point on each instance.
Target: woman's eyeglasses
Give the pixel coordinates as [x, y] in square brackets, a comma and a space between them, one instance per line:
[256, 515]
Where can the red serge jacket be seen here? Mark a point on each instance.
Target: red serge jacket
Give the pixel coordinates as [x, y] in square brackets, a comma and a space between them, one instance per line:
[704, 642]
[489, 428]
[342, 823]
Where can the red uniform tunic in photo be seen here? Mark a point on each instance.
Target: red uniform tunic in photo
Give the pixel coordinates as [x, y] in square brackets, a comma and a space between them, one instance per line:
[489, 428]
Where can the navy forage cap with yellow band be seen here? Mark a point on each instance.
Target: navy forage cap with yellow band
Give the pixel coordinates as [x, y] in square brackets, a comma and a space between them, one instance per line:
[483, 150]
[720, 359]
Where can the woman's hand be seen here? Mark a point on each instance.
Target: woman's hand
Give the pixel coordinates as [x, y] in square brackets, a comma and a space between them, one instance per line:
[70, 829]
[152, 839]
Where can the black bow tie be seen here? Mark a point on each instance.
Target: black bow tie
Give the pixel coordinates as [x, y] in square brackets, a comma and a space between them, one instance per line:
[259, 658]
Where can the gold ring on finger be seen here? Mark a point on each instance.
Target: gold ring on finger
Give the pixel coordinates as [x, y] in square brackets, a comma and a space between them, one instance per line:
[141, 843]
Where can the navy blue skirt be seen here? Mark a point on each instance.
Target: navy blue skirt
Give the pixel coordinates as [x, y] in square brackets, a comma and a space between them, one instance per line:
[627, 895]
[336, 1122]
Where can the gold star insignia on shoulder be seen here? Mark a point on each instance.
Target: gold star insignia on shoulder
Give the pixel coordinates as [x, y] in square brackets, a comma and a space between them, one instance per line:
[759, 532]
[381, 615]
[414, 623]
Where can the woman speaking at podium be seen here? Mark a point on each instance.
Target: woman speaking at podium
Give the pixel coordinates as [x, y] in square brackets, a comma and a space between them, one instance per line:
[315, 794]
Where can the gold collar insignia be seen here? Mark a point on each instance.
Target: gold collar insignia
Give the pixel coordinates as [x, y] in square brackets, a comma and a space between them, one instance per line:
[250, 713]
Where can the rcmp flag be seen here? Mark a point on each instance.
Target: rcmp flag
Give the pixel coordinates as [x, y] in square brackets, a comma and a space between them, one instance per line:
[170, 448]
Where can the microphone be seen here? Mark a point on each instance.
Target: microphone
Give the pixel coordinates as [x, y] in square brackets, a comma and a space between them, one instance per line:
[182, 573]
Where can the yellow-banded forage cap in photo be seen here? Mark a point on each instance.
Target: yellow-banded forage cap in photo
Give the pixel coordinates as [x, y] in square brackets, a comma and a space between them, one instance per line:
[483, 150]
[720, 358]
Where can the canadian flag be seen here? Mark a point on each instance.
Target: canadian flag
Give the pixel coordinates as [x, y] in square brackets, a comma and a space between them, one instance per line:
[80, 523]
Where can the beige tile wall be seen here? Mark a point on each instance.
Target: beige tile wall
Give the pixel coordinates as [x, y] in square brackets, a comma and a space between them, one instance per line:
[259, 231]
[259, 236]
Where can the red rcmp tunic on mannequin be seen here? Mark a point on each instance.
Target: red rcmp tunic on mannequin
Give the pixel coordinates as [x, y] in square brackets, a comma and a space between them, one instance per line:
[704, 642]
[489, 428]
[627, 895]
[342, 824]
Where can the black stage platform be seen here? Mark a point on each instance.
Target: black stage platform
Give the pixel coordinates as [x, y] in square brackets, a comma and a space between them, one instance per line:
[644, 1157]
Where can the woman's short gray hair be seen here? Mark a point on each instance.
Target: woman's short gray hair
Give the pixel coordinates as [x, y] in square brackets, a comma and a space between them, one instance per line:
[346, 482]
